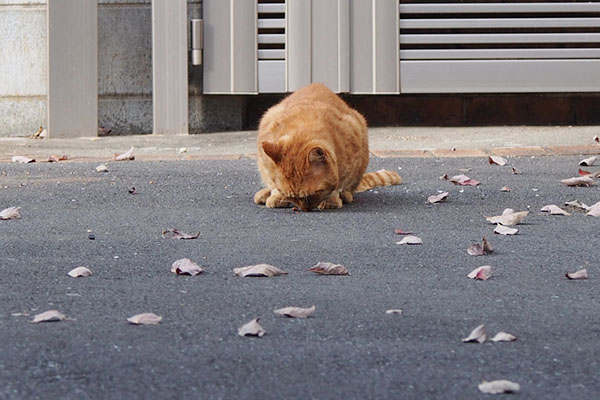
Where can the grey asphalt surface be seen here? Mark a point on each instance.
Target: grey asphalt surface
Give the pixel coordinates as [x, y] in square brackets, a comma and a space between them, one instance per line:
[350, 348]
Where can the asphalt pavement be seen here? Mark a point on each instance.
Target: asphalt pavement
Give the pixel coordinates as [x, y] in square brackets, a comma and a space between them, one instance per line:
[350, 348]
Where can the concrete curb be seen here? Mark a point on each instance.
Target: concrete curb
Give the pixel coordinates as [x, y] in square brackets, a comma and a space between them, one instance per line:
[397, 142]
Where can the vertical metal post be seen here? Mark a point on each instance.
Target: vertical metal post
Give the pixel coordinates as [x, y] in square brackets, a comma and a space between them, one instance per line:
[72, 55]
[170, 66]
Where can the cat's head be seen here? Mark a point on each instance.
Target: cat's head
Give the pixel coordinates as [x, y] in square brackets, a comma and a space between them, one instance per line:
[305, 174]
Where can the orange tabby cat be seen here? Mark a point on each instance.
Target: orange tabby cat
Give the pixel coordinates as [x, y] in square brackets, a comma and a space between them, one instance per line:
[313, 152]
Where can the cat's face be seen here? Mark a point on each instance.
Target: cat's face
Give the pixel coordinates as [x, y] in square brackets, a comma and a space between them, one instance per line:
[304, 177]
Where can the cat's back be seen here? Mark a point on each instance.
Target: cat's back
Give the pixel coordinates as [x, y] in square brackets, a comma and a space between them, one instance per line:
[315, 103]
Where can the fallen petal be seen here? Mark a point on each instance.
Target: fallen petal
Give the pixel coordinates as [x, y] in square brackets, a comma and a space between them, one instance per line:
[22, 160]
[497, 160]
[393, 311]
[411, 240]
[505, 230]
[509, 217]
[54, 158]
[582, 172]
[102, 168]
[588, 162]
[581, 274]
[185, 266]
[144, 319]
[585, 180]
[503, 337]
[252, 328]
[463, 180]
[49, 316]
[296, 312]
[10, 213]
[176, 234]
[577, 204]
[476, 250]
[515, 171]
[327, 268]
[594, 210]
[79, 271]
[444, 177]
[554, 210]
[259, 270]
[437, 198]
[477, 335]
[125, 156]
[500, 386]
[482, 273]
[401, 232]
[505, 189]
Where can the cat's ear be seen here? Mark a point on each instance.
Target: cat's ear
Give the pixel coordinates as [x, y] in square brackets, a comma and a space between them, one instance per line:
[273, 150]
[317, 155]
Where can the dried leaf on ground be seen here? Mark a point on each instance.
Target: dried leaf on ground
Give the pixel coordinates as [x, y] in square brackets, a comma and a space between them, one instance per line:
[401, 232]
[596, 139]
[54, 158]
[505, 230]
[437, 198]
[553, 209]
[79, 272]
[503, 337]
[515, 171]
[185, 266]
[22, 160]
[581, 274]
[49, 316]
[177, 234]
[394, 311]
[594, 210]
[499, 386]
[577, 204]
[444, 177]
[477, 335]
[128, 155]
[509, 217]
[505, 189]
[501, 161]
[296, 312]
[259, 270]
[102, 168]
[327, 268]
[10, 213]
[588, 162]
[144, 319]
[585, 181]
[482, 273]
[411, 240]
[463, 180]
[252, 328]
[487, 246]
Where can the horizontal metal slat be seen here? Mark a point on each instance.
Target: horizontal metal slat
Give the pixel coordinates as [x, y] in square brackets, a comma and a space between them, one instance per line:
[500, 76]
[501, 38]
[518, 54]
[271, 38]
[271, 8]
[271, 23]
[479, 8]
[271, 54]
[448, 23]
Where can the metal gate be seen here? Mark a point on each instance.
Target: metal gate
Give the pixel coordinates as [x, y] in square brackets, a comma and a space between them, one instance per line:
[406, 46]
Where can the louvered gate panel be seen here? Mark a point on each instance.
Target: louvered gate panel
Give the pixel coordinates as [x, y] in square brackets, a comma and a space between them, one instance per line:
[499, 47]
[271, 46]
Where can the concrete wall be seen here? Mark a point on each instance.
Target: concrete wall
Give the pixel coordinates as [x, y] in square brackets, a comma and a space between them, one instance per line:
[22, 66]
[124, 71]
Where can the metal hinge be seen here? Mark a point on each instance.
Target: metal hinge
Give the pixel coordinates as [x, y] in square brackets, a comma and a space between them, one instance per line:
[197, 41]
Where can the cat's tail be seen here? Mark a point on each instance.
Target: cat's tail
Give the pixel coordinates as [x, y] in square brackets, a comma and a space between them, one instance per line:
[382, 177]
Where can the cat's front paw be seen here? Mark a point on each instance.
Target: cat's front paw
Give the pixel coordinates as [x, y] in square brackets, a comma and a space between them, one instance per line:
[275, 200]
[262, 195]
[331, 203]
